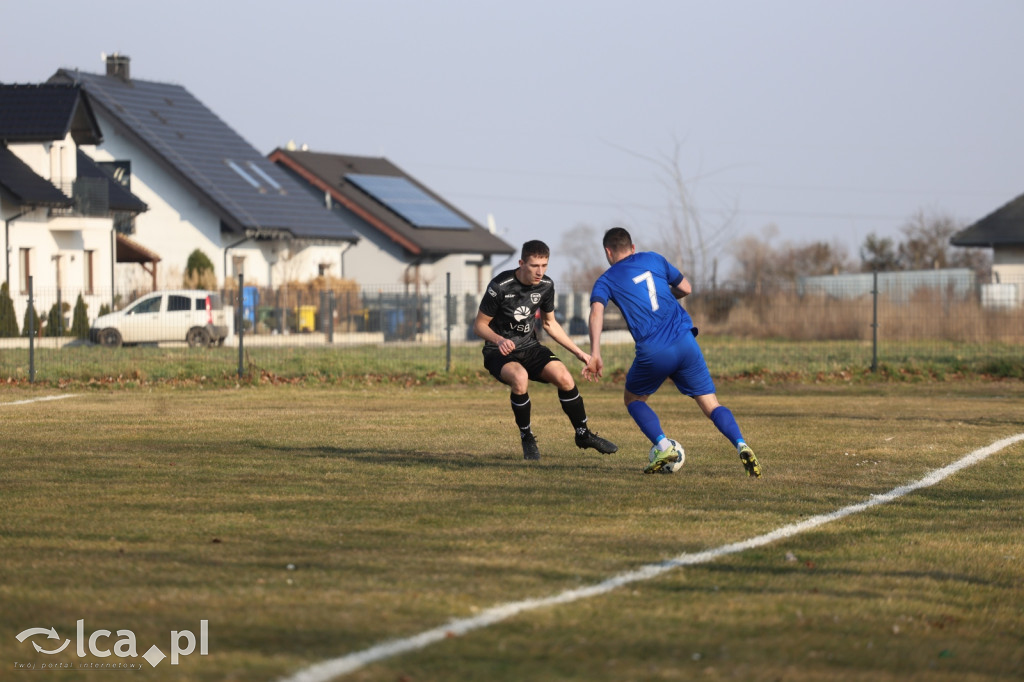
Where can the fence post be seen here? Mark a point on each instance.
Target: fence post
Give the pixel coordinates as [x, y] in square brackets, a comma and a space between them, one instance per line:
[279, 312]
[31, 334]
[874, 322]
[238, 323]
[330, 316]
[448, 322]
[60, 315]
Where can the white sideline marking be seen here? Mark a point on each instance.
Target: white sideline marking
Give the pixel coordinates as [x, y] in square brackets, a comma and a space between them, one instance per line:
[335, 667]
[43, 399]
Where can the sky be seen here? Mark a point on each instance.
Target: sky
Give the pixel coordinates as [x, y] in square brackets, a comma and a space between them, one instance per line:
[789, 120]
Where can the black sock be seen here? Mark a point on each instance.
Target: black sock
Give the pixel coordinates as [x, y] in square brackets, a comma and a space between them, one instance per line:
[521, 410]
[572, 405]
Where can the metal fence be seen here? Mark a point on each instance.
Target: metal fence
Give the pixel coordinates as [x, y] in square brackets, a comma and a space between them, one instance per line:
[848, 323]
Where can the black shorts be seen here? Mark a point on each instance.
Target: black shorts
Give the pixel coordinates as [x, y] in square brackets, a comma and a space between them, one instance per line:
[534, 359]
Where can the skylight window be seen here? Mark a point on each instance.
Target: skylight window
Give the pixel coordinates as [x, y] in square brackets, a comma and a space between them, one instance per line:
[260, 172]
[245, 176]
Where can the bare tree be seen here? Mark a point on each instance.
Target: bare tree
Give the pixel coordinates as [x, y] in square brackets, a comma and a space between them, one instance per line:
[927, 245]
[812, 258]
[926, 241]
[878, 253]
[759, 261]
[755, 260]
[688, 240]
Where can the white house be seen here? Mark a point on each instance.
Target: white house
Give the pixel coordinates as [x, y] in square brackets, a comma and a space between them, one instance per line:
[59, 208]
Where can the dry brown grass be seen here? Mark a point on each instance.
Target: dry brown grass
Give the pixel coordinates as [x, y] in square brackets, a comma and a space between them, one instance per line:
[927, 315]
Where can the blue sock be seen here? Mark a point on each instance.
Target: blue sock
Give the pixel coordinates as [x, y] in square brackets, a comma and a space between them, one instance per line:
[646, 419]
[726, 423]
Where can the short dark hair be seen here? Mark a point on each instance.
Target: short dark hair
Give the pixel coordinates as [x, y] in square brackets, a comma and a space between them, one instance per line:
[535, 247]
[617, 239]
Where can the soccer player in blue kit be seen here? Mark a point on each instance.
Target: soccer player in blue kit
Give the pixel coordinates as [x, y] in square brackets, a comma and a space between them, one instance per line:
[645, 287]
[506, 321]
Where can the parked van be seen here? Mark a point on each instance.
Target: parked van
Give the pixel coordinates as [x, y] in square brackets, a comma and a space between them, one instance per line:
[195, 316]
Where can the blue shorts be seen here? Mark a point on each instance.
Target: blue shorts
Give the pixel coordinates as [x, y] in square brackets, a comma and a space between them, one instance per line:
[682, 362]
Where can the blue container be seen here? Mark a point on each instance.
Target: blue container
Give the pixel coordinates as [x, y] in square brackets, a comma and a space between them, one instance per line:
[250, 299]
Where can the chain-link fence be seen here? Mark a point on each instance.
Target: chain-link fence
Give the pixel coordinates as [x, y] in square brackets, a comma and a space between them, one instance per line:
[817, 325]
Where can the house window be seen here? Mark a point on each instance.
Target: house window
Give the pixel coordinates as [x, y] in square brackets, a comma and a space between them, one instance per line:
[121, 171]
[245, 176]
[88, 263]
[24, 271]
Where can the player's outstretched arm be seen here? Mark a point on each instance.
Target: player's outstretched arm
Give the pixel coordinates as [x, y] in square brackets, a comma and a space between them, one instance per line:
[595, 368]
[558, 335]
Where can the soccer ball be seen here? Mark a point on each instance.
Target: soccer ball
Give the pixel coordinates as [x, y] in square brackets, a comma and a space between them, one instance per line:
[674, 466]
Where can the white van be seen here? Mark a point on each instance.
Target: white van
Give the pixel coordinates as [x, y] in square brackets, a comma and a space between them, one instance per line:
[195, 316]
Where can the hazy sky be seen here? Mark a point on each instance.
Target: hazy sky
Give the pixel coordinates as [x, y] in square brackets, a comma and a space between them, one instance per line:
[828, 119]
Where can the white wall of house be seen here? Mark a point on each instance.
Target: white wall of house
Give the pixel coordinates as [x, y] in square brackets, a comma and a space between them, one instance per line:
[1008, 268]
[71, 253]
[176, 223]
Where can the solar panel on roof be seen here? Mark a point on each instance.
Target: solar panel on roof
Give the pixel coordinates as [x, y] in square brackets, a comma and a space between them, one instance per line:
[408, 201]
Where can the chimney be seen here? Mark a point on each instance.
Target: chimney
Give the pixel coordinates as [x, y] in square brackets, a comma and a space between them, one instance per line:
[117, 65]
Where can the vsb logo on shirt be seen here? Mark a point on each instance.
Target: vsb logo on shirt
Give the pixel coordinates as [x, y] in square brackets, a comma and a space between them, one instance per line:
[521, 313]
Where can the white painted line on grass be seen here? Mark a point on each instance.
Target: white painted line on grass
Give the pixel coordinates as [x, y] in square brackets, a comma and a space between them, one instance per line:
[41, 400]
[335, 667]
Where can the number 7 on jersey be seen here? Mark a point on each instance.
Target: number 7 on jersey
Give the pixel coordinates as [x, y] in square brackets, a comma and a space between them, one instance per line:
[651, 291]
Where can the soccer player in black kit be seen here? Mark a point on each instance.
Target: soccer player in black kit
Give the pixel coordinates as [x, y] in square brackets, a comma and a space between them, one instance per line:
[507, 322]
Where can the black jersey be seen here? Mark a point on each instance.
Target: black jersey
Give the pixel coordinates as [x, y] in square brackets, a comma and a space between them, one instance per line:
[514, 306]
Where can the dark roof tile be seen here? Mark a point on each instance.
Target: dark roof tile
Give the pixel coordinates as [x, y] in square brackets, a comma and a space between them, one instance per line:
[1003, 227]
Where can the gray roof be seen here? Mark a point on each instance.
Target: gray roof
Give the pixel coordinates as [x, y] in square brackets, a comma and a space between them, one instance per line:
[1003, 227]
[43, 113]
[250, 194]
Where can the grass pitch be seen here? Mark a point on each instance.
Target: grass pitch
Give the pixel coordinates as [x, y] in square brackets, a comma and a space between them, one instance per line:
[304, 523]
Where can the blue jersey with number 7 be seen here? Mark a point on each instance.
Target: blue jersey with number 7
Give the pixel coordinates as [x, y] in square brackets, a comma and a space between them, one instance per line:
[641, 286]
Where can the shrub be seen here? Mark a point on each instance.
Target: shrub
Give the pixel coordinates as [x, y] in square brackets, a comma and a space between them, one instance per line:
[80, 320]
[199, 272]
[37, 324]
[8, 319]
[54, 321]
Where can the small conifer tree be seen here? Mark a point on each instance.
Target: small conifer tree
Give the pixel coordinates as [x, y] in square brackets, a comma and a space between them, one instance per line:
[8, 318]
[80, 320]
[30, 314]
[54, 322]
